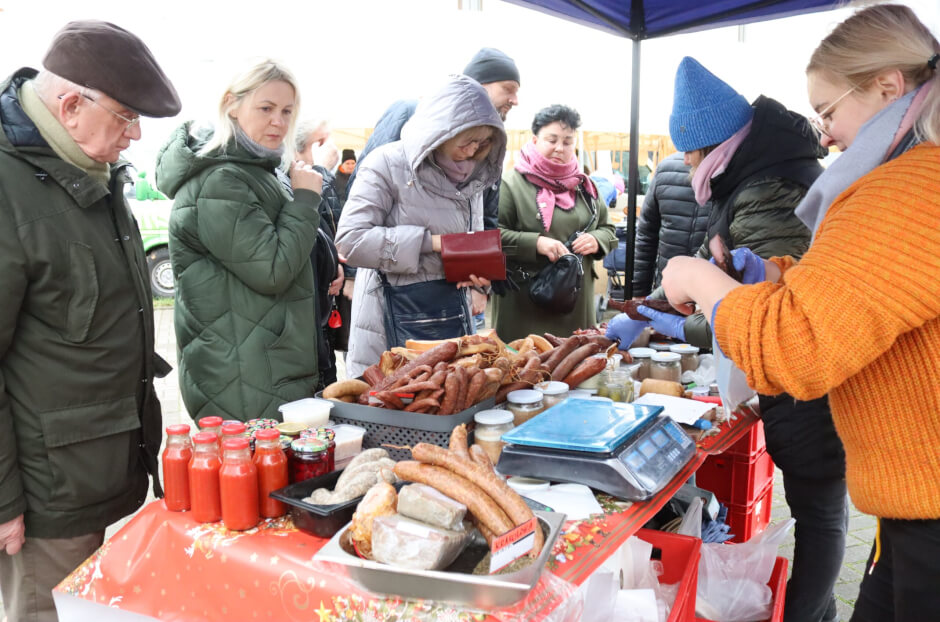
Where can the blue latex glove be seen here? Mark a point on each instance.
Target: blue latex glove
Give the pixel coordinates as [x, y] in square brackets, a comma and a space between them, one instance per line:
[624, 330]
[665, 323]
[749, 265]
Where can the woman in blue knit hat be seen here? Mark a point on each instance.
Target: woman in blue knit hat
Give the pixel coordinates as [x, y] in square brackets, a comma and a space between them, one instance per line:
[755, 162]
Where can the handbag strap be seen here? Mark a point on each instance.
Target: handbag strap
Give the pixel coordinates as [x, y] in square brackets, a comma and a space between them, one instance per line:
[593, 208]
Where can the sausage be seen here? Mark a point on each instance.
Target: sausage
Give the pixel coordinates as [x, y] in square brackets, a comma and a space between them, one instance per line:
[417, 387]
[532, 371]
[568, 363]
[479, 455]
[445, 352]
[372, 466]
[390, 400]
[344, 388]
[450, 395]
[459, 488]
[600, 340]
[458, 440]
[373, 375]
[560, 352]
[368, 455]
[474, 389]
[462, 386]
[552, 339]
[585, 369]
[664, 387]
[506, 389]
[504, 496]
[422, 404]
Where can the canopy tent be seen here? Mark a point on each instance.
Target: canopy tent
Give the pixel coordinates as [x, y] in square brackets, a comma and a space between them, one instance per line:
[648, 19]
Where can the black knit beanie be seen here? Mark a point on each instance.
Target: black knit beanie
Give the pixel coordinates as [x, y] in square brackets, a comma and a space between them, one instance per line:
[491, 65]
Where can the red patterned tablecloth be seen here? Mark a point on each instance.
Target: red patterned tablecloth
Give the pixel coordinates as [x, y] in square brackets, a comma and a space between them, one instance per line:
[165, 565]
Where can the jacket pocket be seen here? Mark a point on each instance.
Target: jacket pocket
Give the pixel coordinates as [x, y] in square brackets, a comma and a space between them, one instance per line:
[84, 299]
[293, 355]
[92, 451]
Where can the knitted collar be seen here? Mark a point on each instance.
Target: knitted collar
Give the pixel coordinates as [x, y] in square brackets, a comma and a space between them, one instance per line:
[254, 148]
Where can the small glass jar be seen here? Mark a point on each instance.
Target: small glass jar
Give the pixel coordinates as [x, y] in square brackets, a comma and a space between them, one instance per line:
[176, 457]
[524, 404]
[238, 485]
[491, 425]
[204, 495]
[308, 459]
[271, 462]
[212, 424]
[619, 386]
[665, 366]
[642, 356]
[688, 354]
[553, 392]
[660, 346]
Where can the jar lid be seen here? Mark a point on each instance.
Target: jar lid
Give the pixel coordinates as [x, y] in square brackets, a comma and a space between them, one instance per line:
[666, 357]
[527, 484]
[524, 396]
[235, 442]
[233, 428]
[699, 391]
[204, 437]
[178, 428]
[493, 417]
[660, 346]
[552, 387]
[210, 422]
[309, 445]
[267, 434]
[291, 428]
[580, 393]
[641, 353]
[261, 424]
[683, 348]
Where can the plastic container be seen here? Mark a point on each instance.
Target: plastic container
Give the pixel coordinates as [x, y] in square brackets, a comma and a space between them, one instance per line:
[679, 555]
[746, 521]
[688, 356]
[205, 499]
[642, 357]
[311, 411]
[491, 425]
[308, 459]
[751, 444]
[238, 485]
[524, 485]
[175, 459]
[735, 480]
[553, 392]
[665, 366]
[524, 404]
[271, 462]
[348, 441]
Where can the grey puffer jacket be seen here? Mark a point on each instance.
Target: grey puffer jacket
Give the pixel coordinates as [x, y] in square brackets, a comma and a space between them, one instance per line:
[402, 197]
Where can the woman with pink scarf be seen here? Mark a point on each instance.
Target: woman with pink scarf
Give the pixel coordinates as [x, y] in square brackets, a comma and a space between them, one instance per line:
[544, 202]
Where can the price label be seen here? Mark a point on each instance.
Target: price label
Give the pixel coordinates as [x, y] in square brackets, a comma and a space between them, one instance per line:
[513, 544]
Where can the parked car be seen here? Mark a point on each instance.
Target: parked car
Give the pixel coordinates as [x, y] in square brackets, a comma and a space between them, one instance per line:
[152, 211]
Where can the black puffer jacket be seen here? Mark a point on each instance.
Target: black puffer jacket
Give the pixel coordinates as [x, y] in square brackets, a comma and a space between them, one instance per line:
[672, 223]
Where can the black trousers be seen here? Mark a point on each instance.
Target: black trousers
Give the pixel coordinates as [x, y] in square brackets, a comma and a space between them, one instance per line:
[904, 585]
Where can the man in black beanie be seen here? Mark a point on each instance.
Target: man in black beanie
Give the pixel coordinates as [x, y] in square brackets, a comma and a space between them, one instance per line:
[80, 424]
[499, 76]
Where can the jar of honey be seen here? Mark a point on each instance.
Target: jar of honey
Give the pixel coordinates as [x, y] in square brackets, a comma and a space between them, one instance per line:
[205, 500]
[271, 463]
[175, 459]
[238, 485]
[490, 427]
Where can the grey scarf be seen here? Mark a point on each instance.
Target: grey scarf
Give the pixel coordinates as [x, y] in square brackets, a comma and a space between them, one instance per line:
[254, 148]
[868, 150]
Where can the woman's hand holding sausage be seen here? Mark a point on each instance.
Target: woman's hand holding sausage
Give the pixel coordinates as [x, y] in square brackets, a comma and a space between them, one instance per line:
[551, 248]
[303, 176]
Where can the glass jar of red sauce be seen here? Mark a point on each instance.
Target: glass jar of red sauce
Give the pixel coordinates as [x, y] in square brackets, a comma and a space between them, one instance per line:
[212, 424]
[238, 485]
[176, 456]
[308, 459]
[271, 463]
[205, 500]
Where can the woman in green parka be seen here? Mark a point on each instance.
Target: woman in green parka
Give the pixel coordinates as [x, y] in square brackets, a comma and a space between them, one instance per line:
[241, 234]
[543, 201]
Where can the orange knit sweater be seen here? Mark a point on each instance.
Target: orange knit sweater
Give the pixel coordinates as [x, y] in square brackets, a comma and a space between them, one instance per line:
[859, 318]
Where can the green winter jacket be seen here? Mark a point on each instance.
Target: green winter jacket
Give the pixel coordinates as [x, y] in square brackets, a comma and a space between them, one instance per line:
[240, 249]
[80, 424]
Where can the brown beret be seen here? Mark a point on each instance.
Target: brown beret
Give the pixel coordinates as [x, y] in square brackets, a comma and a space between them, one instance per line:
[110, 59]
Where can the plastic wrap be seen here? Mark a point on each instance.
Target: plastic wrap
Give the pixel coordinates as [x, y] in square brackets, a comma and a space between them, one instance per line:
[401, 541]
[428, 505]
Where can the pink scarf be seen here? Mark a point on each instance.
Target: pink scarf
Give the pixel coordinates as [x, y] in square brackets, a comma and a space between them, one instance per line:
[715, 163]
[556, 182]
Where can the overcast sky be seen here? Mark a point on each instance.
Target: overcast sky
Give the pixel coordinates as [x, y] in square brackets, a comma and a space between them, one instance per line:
[354, 57]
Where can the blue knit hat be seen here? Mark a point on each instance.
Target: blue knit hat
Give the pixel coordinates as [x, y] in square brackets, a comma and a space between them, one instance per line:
[705, 110]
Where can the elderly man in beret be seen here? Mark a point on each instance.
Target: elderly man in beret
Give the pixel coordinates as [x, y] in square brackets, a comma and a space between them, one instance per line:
[80, 424]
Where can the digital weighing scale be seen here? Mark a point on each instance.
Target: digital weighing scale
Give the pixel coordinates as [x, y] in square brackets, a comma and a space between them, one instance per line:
[629, 451]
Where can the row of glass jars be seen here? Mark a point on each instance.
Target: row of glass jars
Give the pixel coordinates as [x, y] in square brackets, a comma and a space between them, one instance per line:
[665, 364]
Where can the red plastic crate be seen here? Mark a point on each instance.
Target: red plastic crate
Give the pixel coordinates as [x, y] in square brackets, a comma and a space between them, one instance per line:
[751, 444]
[735, 480]
[680, 565]
[746, 521]
[778, 590]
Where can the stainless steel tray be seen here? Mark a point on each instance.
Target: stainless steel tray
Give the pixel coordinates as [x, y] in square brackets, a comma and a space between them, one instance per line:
[482, 591]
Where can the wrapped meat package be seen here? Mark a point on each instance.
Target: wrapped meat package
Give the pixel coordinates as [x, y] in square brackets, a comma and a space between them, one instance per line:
[401, 541]
[429, 505]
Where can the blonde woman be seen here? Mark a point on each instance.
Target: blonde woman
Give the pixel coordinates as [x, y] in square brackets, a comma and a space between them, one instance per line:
[240, 243]
[859, 315]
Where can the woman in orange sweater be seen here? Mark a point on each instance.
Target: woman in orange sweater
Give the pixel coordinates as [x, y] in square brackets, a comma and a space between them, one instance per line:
[859, 316]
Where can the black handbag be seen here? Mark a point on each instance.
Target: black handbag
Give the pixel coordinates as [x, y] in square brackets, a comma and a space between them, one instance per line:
[427, 310]
[557, 286]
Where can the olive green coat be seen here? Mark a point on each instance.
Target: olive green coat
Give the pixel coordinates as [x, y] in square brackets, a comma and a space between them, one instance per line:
[515, 315]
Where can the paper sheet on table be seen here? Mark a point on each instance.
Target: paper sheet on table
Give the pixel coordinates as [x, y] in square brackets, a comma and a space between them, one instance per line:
[575, 500]
[680, 409]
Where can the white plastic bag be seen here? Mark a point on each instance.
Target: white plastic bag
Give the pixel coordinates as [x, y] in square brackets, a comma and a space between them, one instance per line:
[732, 382]
[732, 579]
[704, 374]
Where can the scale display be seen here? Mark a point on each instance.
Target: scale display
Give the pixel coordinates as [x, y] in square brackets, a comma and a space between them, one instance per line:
[628, 451]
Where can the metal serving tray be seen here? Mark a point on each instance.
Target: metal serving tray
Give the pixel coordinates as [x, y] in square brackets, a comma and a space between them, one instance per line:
[451, 585]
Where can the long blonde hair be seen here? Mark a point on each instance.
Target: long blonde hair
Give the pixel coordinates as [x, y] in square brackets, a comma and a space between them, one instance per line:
[880, 38]
[242, 86]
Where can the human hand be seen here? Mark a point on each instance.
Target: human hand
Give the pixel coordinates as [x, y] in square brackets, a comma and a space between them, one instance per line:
[681, 275]
[436, 243]
[750, 266]
[550, 247]
[348, 288]
[585, 244]
[337, 284]
[477, 302]
[475, 281]
[624, 330]
[665, 323]
[303, 176]
[13, 535]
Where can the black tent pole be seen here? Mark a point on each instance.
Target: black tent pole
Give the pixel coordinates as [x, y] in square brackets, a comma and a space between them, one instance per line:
[633, 174]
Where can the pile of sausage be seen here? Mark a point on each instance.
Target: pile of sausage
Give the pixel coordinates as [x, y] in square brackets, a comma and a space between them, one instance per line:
[466, 475]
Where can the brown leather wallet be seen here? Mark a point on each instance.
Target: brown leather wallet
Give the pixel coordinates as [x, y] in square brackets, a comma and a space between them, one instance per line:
[477, 252]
